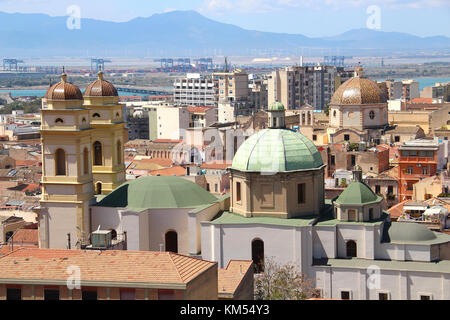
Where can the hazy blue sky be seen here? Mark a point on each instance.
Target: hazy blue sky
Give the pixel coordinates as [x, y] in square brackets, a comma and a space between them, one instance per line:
[308, 17]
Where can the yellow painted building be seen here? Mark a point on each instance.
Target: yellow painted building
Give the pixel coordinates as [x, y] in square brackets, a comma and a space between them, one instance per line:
[82, 146]
[107, 120]
[66, 169]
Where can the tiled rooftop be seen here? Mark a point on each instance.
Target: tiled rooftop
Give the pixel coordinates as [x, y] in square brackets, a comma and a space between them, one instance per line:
[129, 267]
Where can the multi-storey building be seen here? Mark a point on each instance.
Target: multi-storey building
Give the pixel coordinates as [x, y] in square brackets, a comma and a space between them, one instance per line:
[297, 85]
[410, 90]
[195, 90]
[233, 85]
[418, 160]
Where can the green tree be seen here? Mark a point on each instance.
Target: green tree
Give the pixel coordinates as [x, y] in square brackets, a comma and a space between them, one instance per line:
[283, 282]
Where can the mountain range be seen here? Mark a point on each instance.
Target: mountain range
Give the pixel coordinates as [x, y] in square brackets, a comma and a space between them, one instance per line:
[188, 33]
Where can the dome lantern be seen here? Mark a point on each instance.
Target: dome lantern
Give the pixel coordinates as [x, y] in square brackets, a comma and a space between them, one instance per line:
[277, 116]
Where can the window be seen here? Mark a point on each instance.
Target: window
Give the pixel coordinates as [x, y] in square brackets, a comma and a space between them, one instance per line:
[410, 170]
[397, 139]
[351, 215]
[171, 240]
[314, 137]
[89, 295]
[301, 193]
[59, 120]
[345, 295]
[98, 156]
[51, 294]
[353, 160]
[346, 137]
[351, 249]
[98, 188]
[372, 115]
[425, 297]
[334, 113]
[207, 187]
[216, 188]
[164, 294]
[127, 294]
[60, 162]
[377, 189]
[13, 294]
[371, 214]
[383, 296]
[119, 152]
[96, 115]
[332, 160]
[238, 191]
[86, 161]
[424, 170]
[258, 255]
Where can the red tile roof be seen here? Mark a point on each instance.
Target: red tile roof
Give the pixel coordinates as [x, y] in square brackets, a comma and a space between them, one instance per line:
[129, 267]
[198, 109]
[230, 278]
[214, 165]
[24, 237]
[174, 171]
[421, 100]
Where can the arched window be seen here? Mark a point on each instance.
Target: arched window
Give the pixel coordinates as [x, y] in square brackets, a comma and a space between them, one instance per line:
[117, 115]
[98, 188]
[59, 120]
[95, 115]
[98, 156]
[351, 249]
[171, 240]
[372, 115]
[84, 120]
[60, 162]
[86, 160]
[119, 152]
[258, 255]
[334, 113]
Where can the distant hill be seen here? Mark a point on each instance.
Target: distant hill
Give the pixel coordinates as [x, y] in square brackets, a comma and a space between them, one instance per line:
[187, 33]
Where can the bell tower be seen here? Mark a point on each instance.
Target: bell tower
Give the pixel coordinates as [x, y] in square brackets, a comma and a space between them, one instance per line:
[66, 168]
[107, 120]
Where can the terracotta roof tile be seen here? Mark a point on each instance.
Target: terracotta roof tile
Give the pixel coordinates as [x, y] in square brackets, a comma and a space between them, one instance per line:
[230, 278]
[174, 171]
[107, 266]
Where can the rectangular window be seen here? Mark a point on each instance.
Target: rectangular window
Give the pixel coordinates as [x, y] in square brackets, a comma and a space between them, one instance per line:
[207, 187]
[127, 294]
[216, 188]
[238, 191]
[332, 160]
[424, 170]
[425, 297]
[13, 294]
[301, 193]
[346, 137]
[397, 139]
[51, 294]
[345, 295]
[383, 296]
[314, 137]
[410, 170]
[353, 160]
[377, 189]
[89, 295]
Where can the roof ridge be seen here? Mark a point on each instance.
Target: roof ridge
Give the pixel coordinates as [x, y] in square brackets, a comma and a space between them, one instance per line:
[171, 254]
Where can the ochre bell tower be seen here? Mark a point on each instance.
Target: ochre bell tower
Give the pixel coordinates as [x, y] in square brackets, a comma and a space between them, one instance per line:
[64, 218]
[107, 120]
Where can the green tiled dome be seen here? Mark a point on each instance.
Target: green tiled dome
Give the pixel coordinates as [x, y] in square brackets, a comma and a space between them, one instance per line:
[277, 106]
[157, 192]
[358, 193]
[409, 232]
[277, 150]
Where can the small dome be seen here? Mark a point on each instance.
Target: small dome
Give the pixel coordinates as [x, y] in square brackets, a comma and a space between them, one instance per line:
[157, 192]
[100, 88]
[358, 90]
[64, 90]
[357, 193]
[277, 106]
[277, 150]
[409, 232]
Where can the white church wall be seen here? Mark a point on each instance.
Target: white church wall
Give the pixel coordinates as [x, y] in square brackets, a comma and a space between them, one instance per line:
[60, 220]
[163, 220]
[324, 242]
[350, 232]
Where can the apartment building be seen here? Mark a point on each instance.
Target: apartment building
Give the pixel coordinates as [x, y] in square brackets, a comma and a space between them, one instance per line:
[232, 86]
[410, 89]
[418, 160]
[296, 86]
[440, 92]
[171, 122]
[195, 90]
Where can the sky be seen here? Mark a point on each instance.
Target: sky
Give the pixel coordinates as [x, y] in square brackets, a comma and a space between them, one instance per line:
[314, 18]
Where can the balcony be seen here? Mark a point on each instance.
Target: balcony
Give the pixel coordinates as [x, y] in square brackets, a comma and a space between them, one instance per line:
[418, 159]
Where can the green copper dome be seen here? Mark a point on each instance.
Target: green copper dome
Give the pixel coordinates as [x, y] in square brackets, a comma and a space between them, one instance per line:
[277, 150]
[409, 232]
[358, 193]
[277, 106]
[157, 192]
